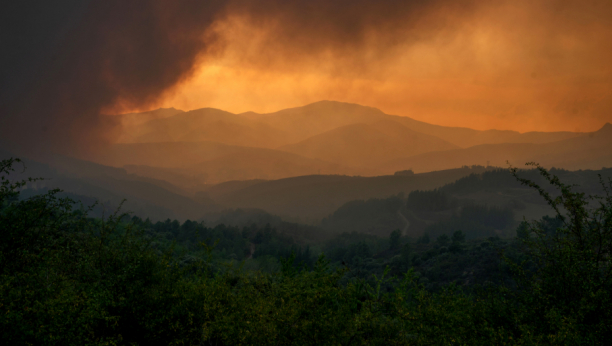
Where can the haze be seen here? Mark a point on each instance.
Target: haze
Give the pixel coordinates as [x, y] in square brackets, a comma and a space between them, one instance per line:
[197, 93]
[346, 171]
[521, 66]
[524, 66]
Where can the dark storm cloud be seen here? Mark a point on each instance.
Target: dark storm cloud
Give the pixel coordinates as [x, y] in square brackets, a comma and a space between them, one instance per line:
[125, 52]
[67, 61]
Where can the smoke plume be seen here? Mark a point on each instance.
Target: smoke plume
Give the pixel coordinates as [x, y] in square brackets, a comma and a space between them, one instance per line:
[72, 61]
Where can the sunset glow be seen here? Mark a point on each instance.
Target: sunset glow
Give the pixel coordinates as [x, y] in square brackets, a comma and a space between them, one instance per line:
[509, 67]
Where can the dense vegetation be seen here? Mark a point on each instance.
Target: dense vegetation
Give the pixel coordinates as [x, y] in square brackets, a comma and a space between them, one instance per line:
[432, 212]
[70, 279]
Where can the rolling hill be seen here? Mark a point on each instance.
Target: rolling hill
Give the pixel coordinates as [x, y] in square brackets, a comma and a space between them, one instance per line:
[145, 197]
[310, 198]
[206, 124]
[362, 145]
[293, 125]
[322, 116]
[212, 162]
[587, 151]
[208, 145]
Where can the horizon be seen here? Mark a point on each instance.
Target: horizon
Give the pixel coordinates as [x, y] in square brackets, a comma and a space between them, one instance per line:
[508, 65]
[352, 103]
[306, 172]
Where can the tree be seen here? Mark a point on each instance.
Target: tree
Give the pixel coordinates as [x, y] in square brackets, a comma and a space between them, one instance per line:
[571, 286]
[458, 237]
[424, 239]
[443, 240]
[394, 239]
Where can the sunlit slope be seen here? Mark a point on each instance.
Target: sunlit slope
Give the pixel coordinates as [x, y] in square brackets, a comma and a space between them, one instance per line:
[310, 198]
[363, 145]
[587, 151]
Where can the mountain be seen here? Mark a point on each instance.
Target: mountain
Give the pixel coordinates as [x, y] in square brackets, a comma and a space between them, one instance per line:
[185, 181]
[490, 197]
[316, 118]
[322, 116]
[587, 151]
[131, 122]
[254, 163]
[145, 197]
[465, 137]
[362, 145]
[163, 154]
[206, 124]
[293, 125]
[212, 162]
[310, 198]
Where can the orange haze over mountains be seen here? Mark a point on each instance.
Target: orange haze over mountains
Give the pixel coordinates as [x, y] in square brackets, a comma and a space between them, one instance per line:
[192, 105]
[507, 65]
[209, 146]
[512, 65]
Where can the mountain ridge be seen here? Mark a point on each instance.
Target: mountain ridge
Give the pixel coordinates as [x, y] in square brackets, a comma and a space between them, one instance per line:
[363, 145]
[298, 123]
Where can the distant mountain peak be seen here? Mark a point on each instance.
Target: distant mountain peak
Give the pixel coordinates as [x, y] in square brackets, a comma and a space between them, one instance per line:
[327, 104]
[606, 128]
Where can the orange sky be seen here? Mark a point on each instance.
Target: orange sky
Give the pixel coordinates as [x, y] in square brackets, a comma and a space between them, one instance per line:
[507, 64]
[512, 65]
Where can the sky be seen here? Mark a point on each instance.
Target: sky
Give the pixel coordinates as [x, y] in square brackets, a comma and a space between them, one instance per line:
[506, 65]
[518, 65]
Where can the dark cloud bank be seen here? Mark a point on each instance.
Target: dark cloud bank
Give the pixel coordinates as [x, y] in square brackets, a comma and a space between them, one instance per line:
[70, 60]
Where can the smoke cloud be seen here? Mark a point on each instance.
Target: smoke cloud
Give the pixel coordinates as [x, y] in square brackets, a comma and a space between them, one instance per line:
[115, 55]
[72, 61]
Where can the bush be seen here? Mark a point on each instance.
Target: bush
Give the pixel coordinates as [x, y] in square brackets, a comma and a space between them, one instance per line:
[571, 289]
[67, 279]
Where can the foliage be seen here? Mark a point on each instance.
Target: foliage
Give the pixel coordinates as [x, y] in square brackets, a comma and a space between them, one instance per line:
[430, 201]
[68, 279]
[394, 239]
[373, 216]
[477, 221]
[572, 283]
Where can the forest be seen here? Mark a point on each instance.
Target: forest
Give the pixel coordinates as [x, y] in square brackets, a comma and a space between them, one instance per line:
[290, 172]
[68, 278]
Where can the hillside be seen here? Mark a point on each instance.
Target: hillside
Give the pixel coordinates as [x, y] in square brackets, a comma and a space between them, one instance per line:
[310, 198]
[587, 151]
[367, 145]
[252, 163]
[293, 125]
[143, 196]
[206, 124]
[319, 117]
[210, 162]
[492, 203]
[466, 137]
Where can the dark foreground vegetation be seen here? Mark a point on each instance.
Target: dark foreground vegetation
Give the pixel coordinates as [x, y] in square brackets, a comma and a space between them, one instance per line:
[69, 279]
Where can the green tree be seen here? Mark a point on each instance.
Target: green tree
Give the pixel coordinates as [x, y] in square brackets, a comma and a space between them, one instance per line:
[424, 239]
[394, 239]
[571, 289]
[443, 240]
[458, 237]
